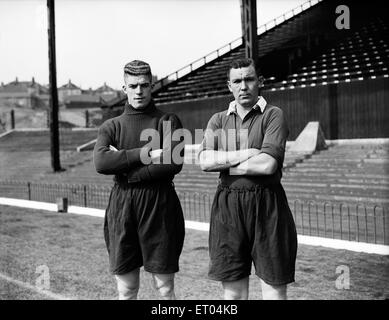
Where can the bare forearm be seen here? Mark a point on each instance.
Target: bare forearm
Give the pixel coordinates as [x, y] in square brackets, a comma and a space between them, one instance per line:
[212, 160]
[261, 164]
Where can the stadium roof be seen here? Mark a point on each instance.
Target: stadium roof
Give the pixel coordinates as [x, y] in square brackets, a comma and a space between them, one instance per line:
[297, 42]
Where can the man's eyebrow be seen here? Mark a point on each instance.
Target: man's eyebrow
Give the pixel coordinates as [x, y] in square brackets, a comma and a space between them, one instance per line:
[244, 78]
[138, 83]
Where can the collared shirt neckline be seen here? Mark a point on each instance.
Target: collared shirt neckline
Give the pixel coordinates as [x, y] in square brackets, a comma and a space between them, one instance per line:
[261, 104]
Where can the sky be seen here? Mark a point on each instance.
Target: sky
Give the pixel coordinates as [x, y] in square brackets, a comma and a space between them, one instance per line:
[96, 38]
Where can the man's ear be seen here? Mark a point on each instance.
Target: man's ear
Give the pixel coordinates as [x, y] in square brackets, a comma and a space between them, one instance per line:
[229, 85]
[261, 80]
[124, 89]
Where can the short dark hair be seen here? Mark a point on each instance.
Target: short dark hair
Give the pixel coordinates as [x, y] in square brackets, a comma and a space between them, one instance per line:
[138, 67]
[242, 63]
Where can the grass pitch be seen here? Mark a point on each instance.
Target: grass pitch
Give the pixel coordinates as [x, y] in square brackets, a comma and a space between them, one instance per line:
[73, 249]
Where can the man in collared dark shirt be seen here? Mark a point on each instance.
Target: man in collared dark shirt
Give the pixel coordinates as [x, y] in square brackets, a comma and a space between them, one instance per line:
[144, 224]
[250, 217]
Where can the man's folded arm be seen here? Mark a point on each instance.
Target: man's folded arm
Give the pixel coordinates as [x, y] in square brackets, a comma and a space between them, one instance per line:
[219, 160]
[261, 164]
[153, 172]
[169, 162]
[162, 167]
[272, 150]
[108, 161]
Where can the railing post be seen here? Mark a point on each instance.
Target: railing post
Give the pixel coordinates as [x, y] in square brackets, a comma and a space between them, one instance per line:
[357, 223]
[86, 118]
[366, 231]
[333, 222]
[317, 219]
[325, 218]
[302, 216]
[85, 197]
[12, 119]
[29, 190]
[375, 223]
[349, 222]
[309, 217]
[383, 221]
[341, 218]
[191, 205]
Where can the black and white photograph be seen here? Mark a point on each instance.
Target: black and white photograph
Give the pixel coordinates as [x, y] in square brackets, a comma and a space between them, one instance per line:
[202, 151]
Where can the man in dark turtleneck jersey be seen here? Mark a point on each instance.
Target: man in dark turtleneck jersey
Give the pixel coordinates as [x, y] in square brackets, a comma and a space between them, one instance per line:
[144, 224]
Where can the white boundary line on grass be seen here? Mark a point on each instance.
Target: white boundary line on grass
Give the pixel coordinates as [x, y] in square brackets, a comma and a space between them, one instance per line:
[204, 226]
[6, 133]
[29, 204]
[29, 286]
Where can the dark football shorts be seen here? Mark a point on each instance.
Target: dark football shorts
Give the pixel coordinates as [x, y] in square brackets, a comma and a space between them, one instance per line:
[144, 226]
[252, 225]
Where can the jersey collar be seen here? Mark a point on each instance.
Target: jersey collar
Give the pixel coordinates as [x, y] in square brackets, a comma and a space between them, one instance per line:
[129, 109]
[261, 104]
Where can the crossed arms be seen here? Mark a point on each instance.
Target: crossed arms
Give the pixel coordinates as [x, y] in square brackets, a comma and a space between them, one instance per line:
[137, 164]
[242, 162]
[251, 161]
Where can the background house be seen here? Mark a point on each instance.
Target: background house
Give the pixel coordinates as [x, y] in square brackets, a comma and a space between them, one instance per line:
[29, 94]
[68, 89]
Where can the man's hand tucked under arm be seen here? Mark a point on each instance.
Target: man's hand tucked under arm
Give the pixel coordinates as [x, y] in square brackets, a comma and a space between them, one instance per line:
[156, 156]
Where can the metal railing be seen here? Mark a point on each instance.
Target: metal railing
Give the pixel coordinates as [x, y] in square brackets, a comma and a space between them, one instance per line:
[348, 221]
[354, 222]
[194, 65]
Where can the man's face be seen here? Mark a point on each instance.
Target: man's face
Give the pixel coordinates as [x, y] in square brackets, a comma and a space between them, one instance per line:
[138, 90]
[244, 85]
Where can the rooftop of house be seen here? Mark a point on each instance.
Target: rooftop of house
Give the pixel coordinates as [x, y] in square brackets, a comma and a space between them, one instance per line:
[17, 86]
[69, 86]
[105, 88]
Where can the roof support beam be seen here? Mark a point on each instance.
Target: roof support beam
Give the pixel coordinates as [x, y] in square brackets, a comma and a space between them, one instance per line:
[249, 28]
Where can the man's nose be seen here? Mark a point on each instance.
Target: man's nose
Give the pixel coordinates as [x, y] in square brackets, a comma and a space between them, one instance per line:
[243, 85]
[138, 89]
